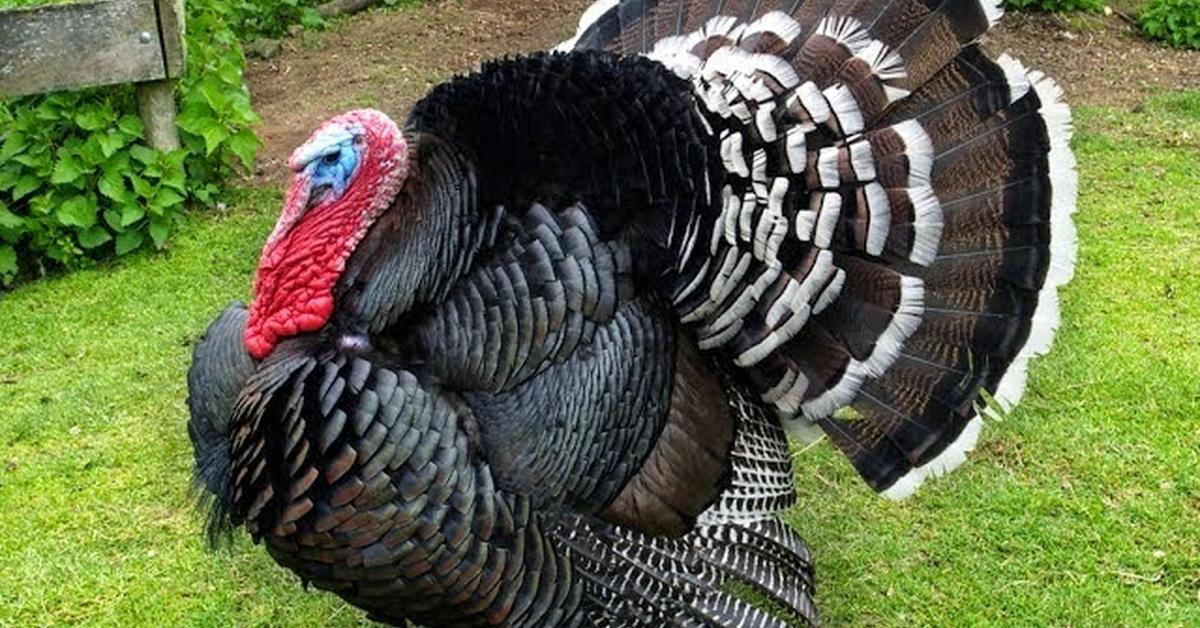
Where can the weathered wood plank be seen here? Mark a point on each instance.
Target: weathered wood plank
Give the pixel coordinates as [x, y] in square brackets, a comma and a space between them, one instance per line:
[72, 46]
[171, 23]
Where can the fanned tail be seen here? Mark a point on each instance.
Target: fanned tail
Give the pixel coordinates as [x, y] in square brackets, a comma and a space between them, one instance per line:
[894, 213]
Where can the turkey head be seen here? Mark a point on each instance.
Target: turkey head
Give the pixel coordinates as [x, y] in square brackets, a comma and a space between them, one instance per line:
[346, 175]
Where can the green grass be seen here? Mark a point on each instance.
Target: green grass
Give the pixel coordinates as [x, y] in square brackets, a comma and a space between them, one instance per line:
[96, 522]
[1081, 508]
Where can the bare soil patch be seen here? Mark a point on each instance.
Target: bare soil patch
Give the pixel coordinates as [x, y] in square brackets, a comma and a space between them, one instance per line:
[389, 59]
[1099, 60]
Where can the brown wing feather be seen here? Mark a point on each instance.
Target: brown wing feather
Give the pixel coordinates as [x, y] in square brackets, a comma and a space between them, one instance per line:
[688, 467]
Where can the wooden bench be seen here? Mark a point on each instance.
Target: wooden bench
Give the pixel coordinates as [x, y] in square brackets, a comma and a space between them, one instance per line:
[98, 42]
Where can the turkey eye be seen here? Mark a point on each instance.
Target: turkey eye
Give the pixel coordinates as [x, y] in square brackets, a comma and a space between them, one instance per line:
[332, 158]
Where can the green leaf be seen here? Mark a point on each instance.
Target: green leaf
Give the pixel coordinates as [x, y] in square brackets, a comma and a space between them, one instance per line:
[213, 94]
[92, 119]
[110, 142]
[8, 264]
[118, 164]
[15, 143]
[94, 237]
[311, 19]
[159, 230]
[112, 186]
[141, 187]
[244, 144]
[67, 170]
[90, 153]
[43, 204]
[26, 184]
[244, 114]
[9, 220]
[213, 136]
[230, 73]
[153, 171]
[193, 122]
[78, 211]
[131, 214]
[167, 197]
[205, 193]
[175, 159]
[9, 177]
[174, 178]
[112, 218]
[144, 154]
[49, 111]
[39, 161]
[131, 125]
[129, 242]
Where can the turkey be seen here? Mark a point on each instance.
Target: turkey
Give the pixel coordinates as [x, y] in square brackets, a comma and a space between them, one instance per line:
[534, 359]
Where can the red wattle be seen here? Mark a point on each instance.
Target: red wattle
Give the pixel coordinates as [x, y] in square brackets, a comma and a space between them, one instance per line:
[294, 290]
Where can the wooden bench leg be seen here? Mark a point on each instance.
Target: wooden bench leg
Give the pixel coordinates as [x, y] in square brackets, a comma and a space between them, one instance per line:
[156, 106]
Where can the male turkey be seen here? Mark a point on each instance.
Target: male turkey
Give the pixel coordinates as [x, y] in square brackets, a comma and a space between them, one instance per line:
[530, 361]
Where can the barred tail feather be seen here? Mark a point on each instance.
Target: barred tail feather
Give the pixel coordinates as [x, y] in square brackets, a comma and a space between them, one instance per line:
[992, 292]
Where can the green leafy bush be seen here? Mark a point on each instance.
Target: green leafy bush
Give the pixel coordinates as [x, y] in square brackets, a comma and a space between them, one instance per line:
[254, 18]
[1177, 22]
[1055, 6]
[78, 180]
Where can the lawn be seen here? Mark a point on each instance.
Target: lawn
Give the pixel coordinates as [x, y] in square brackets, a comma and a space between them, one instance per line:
[1082, 507]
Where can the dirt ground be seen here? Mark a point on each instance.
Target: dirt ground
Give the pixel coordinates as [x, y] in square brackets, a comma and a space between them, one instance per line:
[1099, 60]
[389, 59]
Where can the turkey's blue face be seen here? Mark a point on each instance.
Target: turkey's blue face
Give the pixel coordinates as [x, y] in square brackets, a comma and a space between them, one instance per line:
[330, 163]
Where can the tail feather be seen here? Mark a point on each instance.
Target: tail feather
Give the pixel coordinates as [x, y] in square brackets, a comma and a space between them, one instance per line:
[960, 97]
[761, 482]
[990, 301]
[769, 556]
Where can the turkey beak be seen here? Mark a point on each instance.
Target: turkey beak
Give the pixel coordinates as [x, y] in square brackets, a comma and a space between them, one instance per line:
[317, 195]
[297, 203]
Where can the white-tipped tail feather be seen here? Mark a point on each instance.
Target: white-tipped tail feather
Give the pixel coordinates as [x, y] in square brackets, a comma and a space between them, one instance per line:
[993, 9]
[846, 31]
[1063, 244]
[1016, 75]
[1063, 240]
[945, 462]
[753, 99]
[778, 23]
[589, 17]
